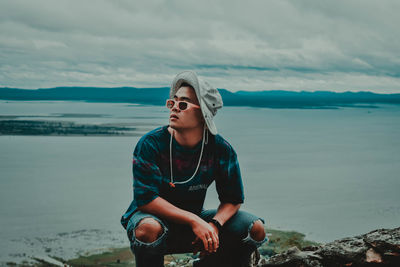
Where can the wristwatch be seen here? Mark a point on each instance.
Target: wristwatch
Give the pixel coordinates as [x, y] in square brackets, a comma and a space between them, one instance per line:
[217, 224]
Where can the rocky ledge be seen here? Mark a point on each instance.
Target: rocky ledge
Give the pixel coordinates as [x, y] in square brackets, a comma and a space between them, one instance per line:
[377, 248]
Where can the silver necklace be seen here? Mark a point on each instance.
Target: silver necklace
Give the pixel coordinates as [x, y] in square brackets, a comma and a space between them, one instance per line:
[172, 183]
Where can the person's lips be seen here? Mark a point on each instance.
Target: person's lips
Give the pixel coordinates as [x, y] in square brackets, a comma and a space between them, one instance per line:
[173, 116]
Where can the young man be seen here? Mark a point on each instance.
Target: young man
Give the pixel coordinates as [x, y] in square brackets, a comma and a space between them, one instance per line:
[172, 169]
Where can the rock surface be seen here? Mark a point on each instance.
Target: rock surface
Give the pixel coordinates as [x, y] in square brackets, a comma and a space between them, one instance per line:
[377, 248]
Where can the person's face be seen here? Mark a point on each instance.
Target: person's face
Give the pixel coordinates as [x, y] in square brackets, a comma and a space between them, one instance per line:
[189, 118]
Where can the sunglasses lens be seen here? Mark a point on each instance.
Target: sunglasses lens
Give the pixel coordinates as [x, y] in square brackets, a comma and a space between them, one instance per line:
[170, 104]
[182, 105]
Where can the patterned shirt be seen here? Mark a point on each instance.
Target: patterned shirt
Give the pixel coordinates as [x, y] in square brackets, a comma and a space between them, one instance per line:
[151, 172]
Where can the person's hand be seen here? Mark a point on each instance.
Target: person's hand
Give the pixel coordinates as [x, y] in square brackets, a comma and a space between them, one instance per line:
[206, 234]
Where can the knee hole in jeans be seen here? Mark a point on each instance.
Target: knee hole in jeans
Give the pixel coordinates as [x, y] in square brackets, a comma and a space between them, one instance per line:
[257, 231]
[148, 230]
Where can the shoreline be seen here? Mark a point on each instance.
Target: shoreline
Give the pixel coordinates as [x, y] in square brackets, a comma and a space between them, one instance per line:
[17, 127]
[317, 106]
[279, 241]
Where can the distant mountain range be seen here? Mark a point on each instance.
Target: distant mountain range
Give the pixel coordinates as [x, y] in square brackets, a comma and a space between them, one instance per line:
[157, 96]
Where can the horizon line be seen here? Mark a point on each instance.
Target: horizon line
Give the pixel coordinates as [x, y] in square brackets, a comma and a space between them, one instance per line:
[257, 91]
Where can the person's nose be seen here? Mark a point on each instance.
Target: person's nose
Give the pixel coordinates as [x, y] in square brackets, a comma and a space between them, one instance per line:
[175, 107]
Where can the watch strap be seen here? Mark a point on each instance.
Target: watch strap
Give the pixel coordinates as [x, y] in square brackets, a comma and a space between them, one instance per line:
[217, 224]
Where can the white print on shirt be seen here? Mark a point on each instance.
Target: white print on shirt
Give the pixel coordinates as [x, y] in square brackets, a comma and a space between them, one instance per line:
[197, 187]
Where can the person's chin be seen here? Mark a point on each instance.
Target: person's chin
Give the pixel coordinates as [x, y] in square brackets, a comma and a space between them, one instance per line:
[173, 125]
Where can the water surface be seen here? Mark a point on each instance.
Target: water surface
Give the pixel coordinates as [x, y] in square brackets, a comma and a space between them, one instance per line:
[328, 173]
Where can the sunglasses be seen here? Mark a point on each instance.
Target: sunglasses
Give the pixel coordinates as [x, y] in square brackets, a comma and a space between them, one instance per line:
[182, 105]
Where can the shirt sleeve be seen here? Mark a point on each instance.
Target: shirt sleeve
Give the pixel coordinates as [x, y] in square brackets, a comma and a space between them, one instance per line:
[147, 176]
[229, 180]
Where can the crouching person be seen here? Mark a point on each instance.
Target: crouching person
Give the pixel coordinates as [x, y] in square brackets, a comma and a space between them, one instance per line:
[173, 166]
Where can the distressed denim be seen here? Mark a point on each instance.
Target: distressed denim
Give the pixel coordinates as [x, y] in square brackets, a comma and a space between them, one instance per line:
[236, 244]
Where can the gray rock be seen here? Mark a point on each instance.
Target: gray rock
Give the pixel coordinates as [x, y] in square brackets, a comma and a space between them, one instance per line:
[377, 248]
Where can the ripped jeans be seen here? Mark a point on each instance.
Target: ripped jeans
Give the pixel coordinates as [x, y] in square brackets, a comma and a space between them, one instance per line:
[236, 244]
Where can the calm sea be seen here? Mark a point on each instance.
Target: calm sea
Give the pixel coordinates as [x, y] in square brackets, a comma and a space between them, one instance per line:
[328, 173]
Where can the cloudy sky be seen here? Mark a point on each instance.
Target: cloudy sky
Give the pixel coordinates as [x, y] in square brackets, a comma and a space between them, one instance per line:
[257, 45]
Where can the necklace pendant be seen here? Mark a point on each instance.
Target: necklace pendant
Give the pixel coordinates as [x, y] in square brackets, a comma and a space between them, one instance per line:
[171, 184]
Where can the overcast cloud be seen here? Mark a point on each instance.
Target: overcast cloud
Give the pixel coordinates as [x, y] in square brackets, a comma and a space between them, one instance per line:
[257, 45]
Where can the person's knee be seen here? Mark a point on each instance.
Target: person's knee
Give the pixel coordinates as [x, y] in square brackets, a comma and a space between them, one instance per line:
[148, 230]
[257, 231]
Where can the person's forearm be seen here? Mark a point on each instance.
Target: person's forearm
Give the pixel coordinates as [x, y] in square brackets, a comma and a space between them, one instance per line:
[225, 212]
[163, 209]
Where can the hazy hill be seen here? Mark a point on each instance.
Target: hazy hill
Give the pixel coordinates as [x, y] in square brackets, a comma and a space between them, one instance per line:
[157, 96]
